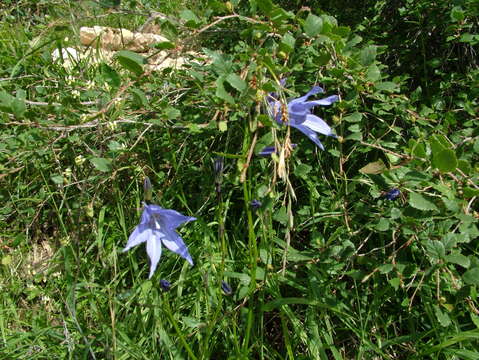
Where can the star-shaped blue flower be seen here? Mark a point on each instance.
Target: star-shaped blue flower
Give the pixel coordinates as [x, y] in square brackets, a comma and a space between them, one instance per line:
[157, 226]
[300, 116]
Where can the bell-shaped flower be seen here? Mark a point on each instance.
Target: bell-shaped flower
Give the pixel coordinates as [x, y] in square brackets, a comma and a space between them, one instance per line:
[157, 227]
[299, 114]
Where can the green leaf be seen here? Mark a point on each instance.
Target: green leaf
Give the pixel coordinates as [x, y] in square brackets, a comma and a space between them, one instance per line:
[386, 86]
[131, 61]
[368, 55]
[172, 113]
[18, 107]
[354, 117]
[281, 216]
[442, 317]
[222, 93]
[101, 164]
[459, 259]
[373, 73]
[302, 170]
[139, 97]
[457, 14]
[287, 43]
[223, 126]
[109, 75]
[266, 6]
[263, 141]
[376, 167]
[313, 25]
[420, 202]
[57, 179]
[471, 277]
[190, 18]
[382, 225]
[164, 45]
[5, 101]
[236, 82]
[445, 160]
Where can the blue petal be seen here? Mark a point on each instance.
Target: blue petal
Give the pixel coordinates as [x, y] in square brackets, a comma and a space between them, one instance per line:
[175, 243]
[317, 124]
[315, 90]
[267, 151]
[169, 218]
[309, 133]
[153, 249]
[141, 234]
[324, 102]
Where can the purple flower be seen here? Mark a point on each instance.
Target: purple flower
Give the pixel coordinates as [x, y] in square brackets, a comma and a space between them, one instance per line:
[157, 226]
[226, 288]
[255, 204]
[300, 116]
[165, 285]
[268, 150]
[392, 194]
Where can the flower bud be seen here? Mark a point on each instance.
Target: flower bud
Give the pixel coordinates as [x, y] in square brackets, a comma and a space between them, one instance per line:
[226, 288]
[165, 285]
[148, 189]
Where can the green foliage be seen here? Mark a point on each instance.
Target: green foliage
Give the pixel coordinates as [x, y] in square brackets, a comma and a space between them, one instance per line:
[327, 266]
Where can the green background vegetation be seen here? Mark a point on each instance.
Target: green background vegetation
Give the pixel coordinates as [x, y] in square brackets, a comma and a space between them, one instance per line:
[327, 268]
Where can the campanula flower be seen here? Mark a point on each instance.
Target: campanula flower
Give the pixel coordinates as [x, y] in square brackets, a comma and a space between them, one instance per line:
[299, 114]
[157, 226]
[268, 150]
[255, 204]
[226, 288]
[165, 285]
[392, 194]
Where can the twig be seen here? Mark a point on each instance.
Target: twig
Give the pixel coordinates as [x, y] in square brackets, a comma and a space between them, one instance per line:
[223, 18]
[41, 103]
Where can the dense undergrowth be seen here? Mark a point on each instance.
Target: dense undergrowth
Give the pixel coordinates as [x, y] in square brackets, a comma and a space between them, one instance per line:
[331, 265]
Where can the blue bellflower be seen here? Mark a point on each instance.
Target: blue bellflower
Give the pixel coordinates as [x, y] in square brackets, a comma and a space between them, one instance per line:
[269, 150]
[300, 116]
[392, 194]
[157, 226]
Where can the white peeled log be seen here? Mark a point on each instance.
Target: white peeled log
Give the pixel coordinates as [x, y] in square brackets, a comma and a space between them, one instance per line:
[118, 39]
[69, 56]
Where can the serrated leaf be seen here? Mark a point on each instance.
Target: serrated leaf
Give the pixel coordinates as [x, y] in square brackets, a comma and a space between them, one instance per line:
[442, 317]
[471, 277]
[223, 126]
[445, 160]
[459, 259]
[457, 14]
[420, 202]
[354, 117]
[313, 25]
[131, 61]
[101, 164]
[236, 82]
[376, 167]
[222, 93]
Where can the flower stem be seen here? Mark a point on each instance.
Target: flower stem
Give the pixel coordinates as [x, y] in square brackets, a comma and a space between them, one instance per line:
[169, 314]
